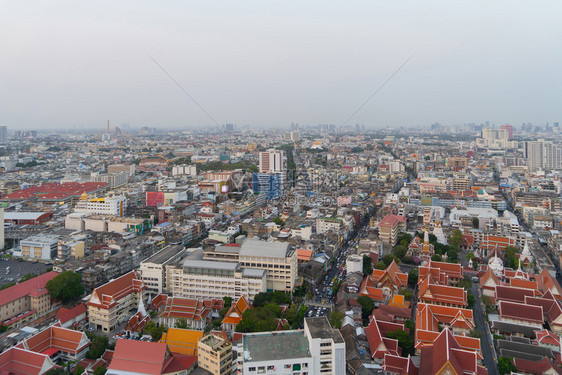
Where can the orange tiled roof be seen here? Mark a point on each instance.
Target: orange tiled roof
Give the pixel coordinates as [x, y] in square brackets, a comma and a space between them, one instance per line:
[234, 314]
[57, 338]
[182, 341]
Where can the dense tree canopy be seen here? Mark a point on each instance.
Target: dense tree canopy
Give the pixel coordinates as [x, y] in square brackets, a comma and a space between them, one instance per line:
[66, 286]
[367, 265]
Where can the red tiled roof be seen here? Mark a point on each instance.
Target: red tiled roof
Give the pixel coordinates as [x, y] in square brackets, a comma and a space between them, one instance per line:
[64, 314]
[27, 287]
[392, 220]
[446, 350]
[57, 338]
[534, 367]
[181, 307]
[108, 295]
[20, 361]
[518, 311]
[53, 190]
[512, 294]
[142, 357]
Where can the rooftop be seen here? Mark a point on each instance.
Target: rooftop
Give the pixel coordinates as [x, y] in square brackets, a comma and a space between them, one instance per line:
[165, 254]
[272, 346]
[259, 248]
[320, 328]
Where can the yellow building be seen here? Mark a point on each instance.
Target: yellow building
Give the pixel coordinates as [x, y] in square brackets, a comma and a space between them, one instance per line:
[215, 355]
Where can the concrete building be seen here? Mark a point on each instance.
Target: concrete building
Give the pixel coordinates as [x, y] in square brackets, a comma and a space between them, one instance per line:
[119, 168]
[214, 354]
[390, 227]
[318, 349]
[273, 161]
[41, 246]
[279, 259]
[354, 263]
[184, 170]
[153, 269]
[24, 301]
[70, 249]
[3, 134]
[113, 179]
[325, 224]
[114, 205]
[202, 279]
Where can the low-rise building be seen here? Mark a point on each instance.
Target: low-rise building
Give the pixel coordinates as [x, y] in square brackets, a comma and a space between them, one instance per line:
[25, 301]
[41, 246]
[214, 354]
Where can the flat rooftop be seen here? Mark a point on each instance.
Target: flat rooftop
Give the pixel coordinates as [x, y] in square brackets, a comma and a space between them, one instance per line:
[258, 248]
[272, 346]
[165, 254]
[320, 328]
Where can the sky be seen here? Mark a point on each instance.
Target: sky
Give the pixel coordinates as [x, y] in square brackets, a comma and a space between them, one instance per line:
[77, 64]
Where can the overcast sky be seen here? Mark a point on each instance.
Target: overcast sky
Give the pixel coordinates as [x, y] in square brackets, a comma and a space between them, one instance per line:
[270, 63]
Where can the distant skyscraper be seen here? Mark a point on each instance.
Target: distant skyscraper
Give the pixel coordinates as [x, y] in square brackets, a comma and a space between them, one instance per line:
[3, 134]
[229, 127]
[534, 155]
[509, 129]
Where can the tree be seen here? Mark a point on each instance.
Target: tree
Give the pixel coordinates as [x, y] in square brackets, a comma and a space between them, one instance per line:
[475, 333]
[436, 258]
[511, 257]
[278, 297]
[476, 222]
[470, 256]
[367, 265]
[406, 293]
[413, 276]
[154, 330]
[259, 319]
[227, 301]
[400, 251]
[56, 371]
[336, 318]
[100, 370]
[408, 324]
[97, 347]
[506, 366]
[388, 258]
[279, 221]
[27, 276]
[367, 307]
[7, 285]
[78, 370]
[66, 286]
[456, 239]
[380, 266]
[404, 340]
[181, 323]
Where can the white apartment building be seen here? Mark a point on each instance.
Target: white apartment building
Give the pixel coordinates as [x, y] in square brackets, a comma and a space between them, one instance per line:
[114, 205]
[318, 349]
[41, 246]
[325, 224]
[273, 161]
[277, 258]
[113, 179]
[184, 170]
[153, 269]
[204, 279]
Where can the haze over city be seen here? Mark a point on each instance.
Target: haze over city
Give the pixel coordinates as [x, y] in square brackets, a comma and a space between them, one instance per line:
[266, 64]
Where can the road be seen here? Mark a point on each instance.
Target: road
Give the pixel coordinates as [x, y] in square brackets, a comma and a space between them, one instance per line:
[488, 352]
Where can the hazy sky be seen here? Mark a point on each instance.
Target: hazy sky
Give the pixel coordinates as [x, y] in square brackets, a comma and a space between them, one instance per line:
[270, 63]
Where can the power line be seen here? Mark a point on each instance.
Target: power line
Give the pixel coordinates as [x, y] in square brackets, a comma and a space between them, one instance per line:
[376, 92]
[184, 90]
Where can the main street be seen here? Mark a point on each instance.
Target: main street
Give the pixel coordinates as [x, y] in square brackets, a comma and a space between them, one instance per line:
[490, 360]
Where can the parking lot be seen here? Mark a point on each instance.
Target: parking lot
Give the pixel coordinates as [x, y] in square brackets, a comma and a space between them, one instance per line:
[317, 311]
[18, 269]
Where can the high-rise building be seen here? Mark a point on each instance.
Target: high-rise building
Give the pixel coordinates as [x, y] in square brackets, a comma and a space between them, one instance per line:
[273, 161]
[534, 154]
[509, 129]
[543, 154]
[3, 134]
